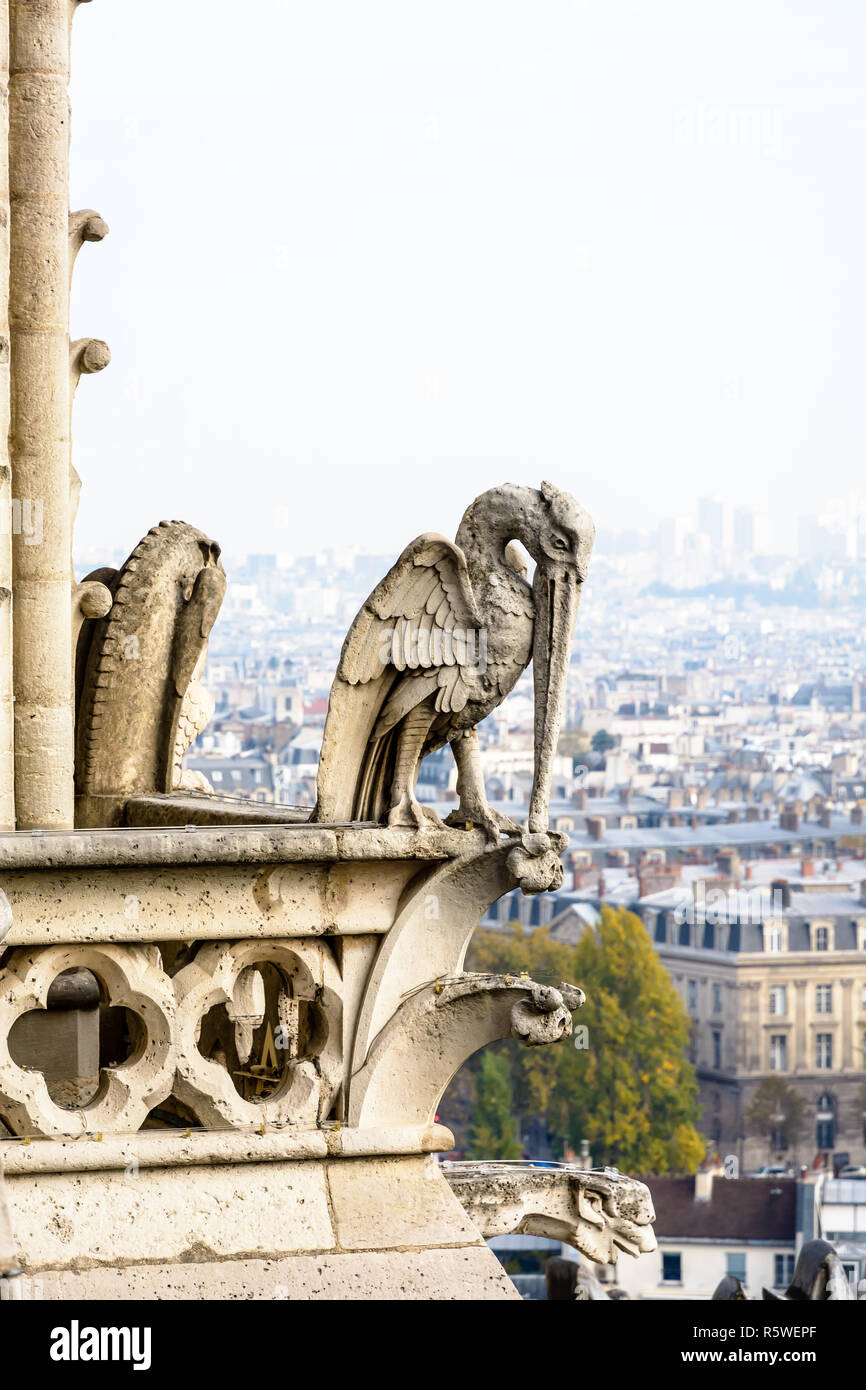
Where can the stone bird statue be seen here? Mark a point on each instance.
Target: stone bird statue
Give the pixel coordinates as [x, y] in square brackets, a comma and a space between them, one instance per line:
[439, 643]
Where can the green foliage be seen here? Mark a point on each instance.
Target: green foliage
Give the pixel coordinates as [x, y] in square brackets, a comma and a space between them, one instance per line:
[602, 741]
[494, 1132]
[777, 1108]
[631, 1091]
[573, 743]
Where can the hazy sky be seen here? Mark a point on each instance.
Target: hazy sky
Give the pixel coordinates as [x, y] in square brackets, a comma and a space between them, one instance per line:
[369, 257]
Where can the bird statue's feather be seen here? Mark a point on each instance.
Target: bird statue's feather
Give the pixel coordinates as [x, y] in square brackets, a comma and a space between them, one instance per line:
[407, 625]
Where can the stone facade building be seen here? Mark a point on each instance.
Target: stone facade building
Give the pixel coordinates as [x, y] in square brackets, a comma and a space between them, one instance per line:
[774, 988]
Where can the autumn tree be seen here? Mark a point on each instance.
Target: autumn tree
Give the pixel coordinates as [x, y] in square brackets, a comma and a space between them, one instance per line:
[573, 743]
[627, 1086]
[494, 1132]
[777, 1114]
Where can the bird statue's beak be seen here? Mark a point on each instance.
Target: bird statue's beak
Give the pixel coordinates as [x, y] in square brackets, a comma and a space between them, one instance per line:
[557, 595]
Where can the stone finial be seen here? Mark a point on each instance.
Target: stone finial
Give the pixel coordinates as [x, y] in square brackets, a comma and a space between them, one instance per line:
[86, 356]
[535, 864]
[86, 225]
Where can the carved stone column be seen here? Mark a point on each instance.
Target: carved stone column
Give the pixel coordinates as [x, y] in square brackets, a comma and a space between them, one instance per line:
[7, 735]
[754, 1060]
[847, 1054]
[39, 437]
[801, 1032]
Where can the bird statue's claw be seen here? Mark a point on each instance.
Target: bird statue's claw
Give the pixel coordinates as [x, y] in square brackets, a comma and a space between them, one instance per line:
[409, 814]
[493, 823]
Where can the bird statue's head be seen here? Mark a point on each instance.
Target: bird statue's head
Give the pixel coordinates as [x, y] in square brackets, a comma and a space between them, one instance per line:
[558, 533]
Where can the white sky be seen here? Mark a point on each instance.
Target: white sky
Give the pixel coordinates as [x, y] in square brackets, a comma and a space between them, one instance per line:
[369, 257]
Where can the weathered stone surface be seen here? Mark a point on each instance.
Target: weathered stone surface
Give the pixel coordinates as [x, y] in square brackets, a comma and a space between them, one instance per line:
[225, 1231]
[63, 1220]
[473, 1274]
[140, 704]
[39, 433]
[176, 1148]
[396, 1202]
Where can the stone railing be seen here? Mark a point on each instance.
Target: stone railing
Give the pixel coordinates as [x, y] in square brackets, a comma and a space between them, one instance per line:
[177, 1001]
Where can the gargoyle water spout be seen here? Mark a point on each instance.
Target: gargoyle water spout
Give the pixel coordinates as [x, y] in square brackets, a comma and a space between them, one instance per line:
[601, 1212]
[439, 644]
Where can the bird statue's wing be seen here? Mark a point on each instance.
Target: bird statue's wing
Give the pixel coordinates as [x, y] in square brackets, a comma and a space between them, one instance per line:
[407, 619]
[413, 625]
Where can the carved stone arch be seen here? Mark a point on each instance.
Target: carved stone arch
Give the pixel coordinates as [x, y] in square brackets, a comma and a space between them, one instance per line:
[219, 974]
[438, 1028]
[132, 978]
[435, 924]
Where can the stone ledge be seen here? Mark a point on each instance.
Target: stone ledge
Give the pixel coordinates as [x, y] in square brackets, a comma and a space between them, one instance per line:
[241, 844]
[152, 1149]
[469, 1274]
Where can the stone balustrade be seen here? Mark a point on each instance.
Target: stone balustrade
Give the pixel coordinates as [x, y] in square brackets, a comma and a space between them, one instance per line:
[205, 1012]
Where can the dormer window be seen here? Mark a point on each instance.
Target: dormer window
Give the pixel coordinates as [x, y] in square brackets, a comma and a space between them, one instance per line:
[821, 937]
[773, 939]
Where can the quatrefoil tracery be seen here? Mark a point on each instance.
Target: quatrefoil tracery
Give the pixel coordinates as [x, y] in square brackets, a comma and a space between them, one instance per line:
[226, 974]
[171, 1018]
[132, 978]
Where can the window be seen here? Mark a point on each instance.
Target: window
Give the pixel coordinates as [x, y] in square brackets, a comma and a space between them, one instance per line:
[863, 997]
[717, 1049]
[779, 1000]
[784, 1271]
[693, 994]
[822, 938]
[778, 1052]
[717, 998]
[824, 1051]
[824, 998]
[825, 1122]
[672, 1269]
[773, 939]
[736, 1266]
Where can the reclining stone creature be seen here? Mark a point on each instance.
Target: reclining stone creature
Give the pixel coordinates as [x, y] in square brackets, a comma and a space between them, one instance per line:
[599, 1211]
